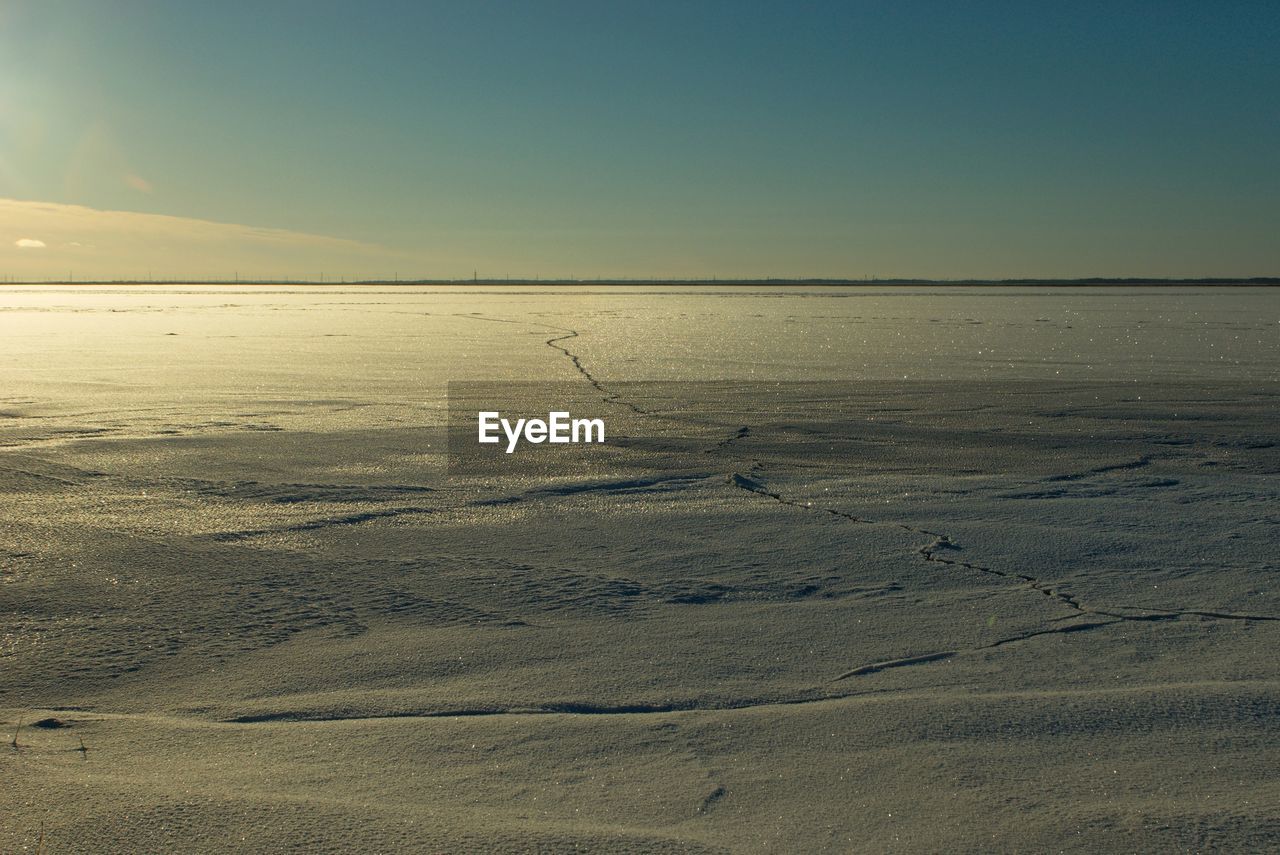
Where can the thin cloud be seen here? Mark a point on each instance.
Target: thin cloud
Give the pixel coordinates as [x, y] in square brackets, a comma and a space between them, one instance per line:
[125, 244]
[137, 182]
[77, 221]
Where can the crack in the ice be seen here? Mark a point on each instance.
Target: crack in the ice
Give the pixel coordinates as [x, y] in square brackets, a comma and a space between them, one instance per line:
[554, 344]
[930, 551]
[1162, 614]
[322, 523]
[712, 799]
[740, 434]
[577, 361]
[576, 708]
[876, 667]
[625, 486]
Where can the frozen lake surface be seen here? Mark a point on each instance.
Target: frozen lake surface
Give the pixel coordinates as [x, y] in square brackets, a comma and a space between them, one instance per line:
[898, 569]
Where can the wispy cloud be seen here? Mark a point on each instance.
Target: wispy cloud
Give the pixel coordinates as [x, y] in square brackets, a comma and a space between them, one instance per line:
[137, 182]
[125, 244]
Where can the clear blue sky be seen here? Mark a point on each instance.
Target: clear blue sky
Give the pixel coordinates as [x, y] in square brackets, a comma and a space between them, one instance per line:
[932, 139]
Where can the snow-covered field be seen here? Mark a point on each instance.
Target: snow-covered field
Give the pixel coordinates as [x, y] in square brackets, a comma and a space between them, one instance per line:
[882, 569]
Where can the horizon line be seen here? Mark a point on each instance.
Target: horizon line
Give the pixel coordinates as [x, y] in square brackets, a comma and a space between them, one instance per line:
[730, 281]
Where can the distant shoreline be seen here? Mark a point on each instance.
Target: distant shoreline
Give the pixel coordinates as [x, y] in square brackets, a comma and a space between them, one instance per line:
[1264, 281]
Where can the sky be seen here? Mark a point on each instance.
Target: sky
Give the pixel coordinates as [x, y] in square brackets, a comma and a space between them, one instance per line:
[658, 139]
